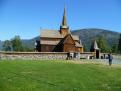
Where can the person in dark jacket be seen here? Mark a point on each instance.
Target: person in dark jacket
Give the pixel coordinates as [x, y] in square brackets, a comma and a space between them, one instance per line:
[110, 57]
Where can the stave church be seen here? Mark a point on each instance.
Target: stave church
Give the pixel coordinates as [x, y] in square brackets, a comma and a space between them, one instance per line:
[59, 40]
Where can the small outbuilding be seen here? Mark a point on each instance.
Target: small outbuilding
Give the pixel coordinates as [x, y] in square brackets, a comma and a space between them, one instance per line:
[94, 48]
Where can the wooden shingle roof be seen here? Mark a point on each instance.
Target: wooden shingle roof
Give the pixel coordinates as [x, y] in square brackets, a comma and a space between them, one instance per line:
[77, 44]
[55, 34]
[75, 37]
[51, 34]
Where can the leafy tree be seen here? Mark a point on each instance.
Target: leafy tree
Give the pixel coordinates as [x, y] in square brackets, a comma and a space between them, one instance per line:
[119, 44]
[7, 46]
[18, 46]
[16, 43]
[102, 44]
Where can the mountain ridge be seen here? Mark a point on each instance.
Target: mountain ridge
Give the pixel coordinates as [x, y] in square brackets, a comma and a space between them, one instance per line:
[89, 35]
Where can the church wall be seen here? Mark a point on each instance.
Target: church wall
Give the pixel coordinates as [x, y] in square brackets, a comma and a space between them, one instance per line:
[47, 48]
[81, 50]
[78, 49]
[69, 48]
[58, 48]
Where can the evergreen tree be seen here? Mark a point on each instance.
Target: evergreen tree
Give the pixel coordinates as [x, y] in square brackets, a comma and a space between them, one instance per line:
[114, 48]
[7, 46]
[119, 44]
[102, 44]
[84, 48]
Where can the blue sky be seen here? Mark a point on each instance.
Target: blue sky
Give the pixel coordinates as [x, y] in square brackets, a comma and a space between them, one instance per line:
[27, 17]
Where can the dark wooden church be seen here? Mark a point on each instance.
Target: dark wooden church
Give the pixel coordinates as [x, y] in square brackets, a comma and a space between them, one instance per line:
[59, 40]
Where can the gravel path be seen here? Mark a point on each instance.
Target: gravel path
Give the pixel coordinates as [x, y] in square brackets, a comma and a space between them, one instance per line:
[106, 61]
[96, 61]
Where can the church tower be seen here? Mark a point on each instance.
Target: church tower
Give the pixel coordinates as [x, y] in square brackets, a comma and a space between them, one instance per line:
[64, 29]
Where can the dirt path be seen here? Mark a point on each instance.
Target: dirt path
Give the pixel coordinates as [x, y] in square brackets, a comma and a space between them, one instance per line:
[99, 61]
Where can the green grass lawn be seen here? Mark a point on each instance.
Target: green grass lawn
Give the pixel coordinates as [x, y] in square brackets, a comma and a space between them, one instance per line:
[58, 76]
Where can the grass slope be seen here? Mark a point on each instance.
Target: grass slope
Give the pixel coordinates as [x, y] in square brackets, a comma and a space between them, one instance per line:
[58, 76]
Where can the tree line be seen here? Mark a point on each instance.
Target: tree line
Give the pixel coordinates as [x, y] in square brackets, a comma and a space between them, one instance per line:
[15, 44]
[106, 48]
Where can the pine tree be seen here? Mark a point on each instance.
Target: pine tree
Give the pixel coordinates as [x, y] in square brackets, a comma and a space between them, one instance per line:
[114, 48]
[119, 44]
[84, 47]
[102, 44]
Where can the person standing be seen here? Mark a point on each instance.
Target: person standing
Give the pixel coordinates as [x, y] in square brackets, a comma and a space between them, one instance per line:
[110, 57]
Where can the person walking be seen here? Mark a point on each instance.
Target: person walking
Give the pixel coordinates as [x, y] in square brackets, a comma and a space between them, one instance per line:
[110, 57]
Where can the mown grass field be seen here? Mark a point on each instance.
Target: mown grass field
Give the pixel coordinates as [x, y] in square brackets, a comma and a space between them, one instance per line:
[58, 76]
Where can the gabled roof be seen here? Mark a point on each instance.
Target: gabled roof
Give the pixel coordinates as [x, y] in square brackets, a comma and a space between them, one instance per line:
[55, 34]
[67, 38]
[51, 34]
[64, 39]
[75, 37]
[77, 44]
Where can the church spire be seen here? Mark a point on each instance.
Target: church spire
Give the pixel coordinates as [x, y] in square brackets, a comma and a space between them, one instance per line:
[95, 45]
[64, 21]
[64, 29]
